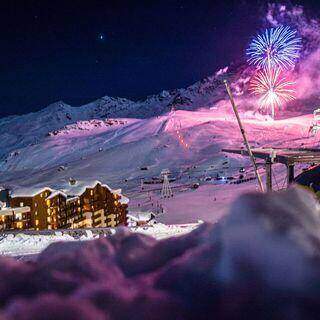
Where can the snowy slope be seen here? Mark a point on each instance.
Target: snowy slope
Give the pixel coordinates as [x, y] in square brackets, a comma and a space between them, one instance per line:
[116, 153]
[110, 139]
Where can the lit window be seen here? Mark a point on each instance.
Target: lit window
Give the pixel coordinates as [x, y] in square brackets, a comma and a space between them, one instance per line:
[21, 204]
[49, 211]
[18, 216]
[49, 227]
[49, 219]
[36, 213]
[48, 203]
[35, 204]
[37, 222]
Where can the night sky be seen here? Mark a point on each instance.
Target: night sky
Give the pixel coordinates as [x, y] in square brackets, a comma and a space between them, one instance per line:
[78, 51]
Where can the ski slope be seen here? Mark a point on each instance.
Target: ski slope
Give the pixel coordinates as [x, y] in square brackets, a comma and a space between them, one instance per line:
[115, 154]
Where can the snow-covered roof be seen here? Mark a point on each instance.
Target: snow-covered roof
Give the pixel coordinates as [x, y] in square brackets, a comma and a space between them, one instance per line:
[55, 193]
[80, 187]
[66, 189]
[70, 199]
[124, 200]
[29, 192]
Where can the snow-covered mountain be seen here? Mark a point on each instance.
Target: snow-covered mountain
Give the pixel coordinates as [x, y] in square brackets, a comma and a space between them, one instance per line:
[24, 131]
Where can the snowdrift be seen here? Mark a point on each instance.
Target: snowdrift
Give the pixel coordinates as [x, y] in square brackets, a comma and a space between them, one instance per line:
[261, 261]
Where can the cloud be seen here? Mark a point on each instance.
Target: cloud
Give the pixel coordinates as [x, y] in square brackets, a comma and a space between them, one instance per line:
[307, 75]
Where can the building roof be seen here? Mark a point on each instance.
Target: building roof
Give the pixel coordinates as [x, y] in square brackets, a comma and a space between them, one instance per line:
[80, 187]
[29, 192]
[124, 200]
[56, 193]
[66, 189]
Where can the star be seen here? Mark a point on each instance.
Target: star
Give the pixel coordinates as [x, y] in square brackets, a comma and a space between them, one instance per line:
[101, 37]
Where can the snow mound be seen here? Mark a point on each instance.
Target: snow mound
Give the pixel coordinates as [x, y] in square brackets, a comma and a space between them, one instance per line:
[261, 261]
[23, 244]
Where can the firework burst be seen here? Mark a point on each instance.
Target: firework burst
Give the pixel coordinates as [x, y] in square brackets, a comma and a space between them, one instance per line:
[276, 47]
[272, 88]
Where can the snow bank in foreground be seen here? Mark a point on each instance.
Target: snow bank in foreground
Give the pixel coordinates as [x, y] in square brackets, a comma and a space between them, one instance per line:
[261, 262]
[22, 244]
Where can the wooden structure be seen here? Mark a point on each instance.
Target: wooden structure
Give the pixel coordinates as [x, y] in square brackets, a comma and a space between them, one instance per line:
[288, 157]
[78, 206]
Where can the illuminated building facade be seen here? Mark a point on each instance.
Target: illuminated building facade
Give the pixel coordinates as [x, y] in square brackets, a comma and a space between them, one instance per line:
[77, 206]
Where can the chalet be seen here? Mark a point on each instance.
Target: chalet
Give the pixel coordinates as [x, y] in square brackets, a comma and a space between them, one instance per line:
[71, 205]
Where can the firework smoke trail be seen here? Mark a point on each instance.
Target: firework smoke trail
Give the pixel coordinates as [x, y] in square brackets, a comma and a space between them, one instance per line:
[276, 47]
[272, 88]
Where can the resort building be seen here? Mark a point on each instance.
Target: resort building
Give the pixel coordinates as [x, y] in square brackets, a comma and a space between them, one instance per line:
[70, 205]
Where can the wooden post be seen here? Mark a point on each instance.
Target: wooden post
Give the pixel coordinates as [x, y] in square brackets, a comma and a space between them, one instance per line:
[235, 109]
[290, 173]
[269, 175]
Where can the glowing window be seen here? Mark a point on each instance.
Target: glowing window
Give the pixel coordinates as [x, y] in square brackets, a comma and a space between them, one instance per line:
[37, 222]
[21, 204]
